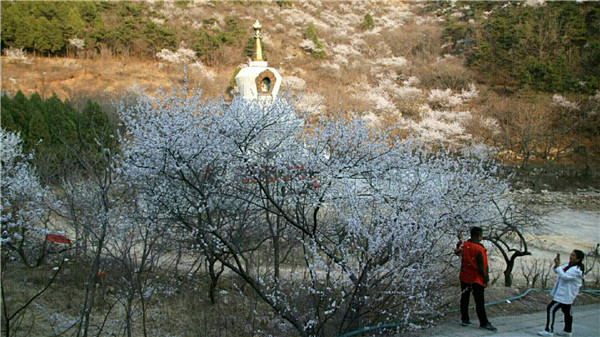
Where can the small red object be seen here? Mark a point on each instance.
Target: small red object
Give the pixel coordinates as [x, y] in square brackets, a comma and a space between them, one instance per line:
[101, 274]
[57, 238]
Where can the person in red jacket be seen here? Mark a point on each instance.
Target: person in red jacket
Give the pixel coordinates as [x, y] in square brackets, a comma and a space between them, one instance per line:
[473, 277]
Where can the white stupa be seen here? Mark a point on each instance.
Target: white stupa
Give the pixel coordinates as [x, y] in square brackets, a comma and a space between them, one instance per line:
[258, 80]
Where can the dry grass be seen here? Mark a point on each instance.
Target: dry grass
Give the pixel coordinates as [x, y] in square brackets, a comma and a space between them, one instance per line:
[176, 308]
[112, 78]
[447, 72]
[350, 78]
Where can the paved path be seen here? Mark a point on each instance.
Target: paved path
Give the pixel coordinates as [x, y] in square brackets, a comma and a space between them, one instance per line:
[586, 323]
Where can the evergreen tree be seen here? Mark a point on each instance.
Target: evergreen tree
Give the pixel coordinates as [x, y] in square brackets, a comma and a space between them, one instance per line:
[311, 34]
[159, 37]
[19, 107]
[48, 36]
[61, 127]
[38, 130]
[74, 24]
[8, 122]
[367, 22]
[546, 48]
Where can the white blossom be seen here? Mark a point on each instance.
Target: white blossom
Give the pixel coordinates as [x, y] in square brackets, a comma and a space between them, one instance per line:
[560, 101]
[182, 55]
[356, 200]
[77, 43]
[16, 54]
[24, 199]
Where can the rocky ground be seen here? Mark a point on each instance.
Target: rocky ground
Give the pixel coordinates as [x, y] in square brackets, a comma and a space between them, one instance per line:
[571, 219]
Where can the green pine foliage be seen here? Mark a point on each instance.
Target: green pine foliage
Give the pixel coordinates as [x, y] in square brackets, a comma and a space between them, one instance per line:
[159, 37]
[311, 34]
[208, 42]
[549, 48]
[54, 130]
[45, 27]
[367, 23]
[285, 3]
[125, 27]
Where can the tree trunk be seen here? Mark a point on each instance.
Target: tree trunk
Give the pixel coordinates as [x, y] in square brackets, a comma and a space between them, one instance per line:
[90, 291]
[214, 278]
[128, 313]
[508, 278]
[357, 303]
[140, 289]
[276, 250]
[4, 308]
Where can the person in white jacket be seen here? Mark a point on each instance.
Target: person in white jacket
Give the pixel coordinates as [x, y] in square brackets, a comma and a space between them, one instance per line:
[566, 287]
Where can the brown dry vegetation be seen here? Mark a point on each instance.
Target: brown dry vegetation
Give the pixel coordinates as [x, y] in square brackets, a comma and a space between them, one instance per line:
[112, 76]
[363, 72]
[102, 79]
[178, 307]
[181, 307]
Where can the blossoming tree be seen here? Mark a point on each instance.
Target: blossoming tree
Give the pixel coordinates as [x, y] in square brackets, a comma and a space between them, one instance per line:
[25, 204]
[360, 214]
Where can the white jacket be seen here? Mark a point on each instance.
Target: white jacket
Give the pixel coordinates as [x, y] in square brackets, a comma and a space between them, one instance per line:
[567, 284]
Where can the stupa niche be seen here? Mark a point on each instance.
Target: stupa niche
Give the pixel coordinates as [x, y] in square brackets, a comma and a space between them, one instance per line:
[258, 80]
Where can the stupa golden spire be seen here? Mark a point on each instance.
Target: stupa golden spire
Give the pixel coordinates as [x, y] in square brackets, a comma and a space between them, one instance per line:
[258, 80]
[258, 45]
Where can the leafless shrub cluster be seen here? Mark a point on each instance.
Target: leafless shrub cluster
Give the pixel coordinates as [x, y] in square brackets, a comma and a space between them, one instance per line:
[537, 270]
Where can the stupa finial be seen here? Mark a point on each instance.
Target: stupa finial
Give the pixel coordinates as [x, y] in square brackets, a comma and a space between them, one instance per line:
[258, 45]
[258, 80]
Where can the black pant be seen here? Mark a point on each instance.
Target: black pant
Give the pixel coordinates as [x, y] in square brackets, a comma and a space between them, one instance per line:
[479, 302]
[551, 312]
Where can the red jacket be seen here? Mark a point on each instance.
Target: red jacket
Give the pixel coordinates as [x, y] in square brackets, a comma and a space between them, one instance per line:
[474, 265]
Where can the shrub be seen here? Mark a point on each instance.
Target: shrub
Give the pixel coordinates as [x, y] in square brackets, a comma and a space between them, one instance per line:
[232, 83]
[367, 22]
[183, 4]
[285, 3]
[447, 73]
[317, 49]
[16, 54]
[159, 37]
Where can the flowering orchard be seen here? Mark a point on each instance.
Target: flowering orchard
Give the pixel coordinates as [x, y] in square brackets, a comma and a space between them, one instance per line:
[334, 224]
[25, 204]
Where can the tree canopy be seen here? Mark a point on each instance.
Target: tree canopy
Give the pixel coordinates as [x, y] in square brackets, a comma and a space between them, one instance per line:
[549, 48]
[50, 126]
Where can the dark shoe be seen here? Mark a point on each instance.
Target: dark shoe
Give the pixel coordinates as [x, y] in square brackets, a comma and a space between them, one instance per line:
[488, 326]
[465, 323]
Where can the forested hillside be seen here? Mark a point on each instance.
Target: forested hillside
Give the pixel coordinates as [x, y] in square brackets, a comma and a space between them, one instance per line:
[520, 77]
[137, 28]
[550, 48]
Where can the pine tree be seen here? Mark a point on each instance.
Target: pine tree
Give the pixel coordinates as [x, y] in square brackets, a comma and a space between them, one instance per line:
[73, 24]
[367, 22]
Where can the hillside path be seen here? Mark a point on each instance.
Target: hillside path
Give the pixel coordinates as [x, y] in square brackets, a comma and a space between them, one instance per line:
[586, 323]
